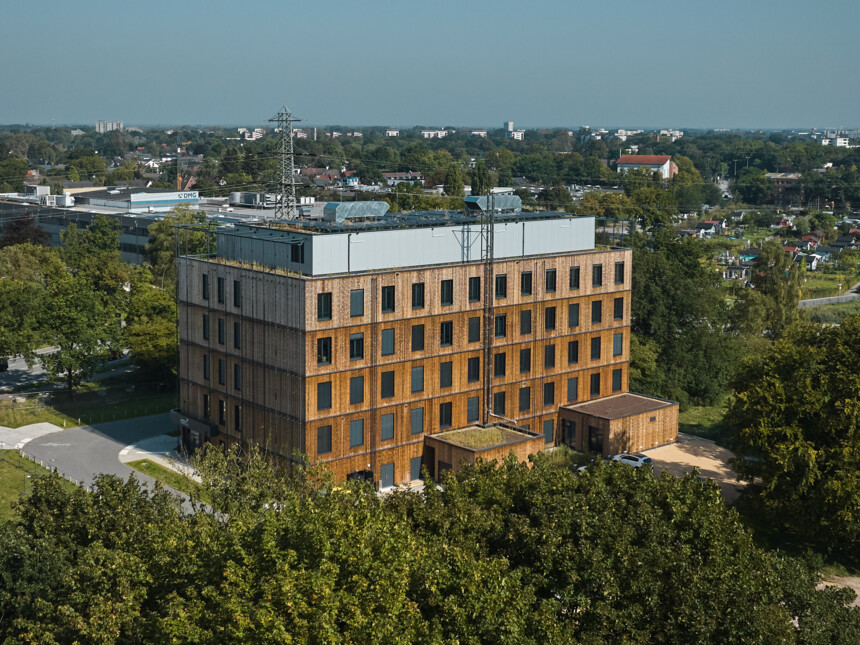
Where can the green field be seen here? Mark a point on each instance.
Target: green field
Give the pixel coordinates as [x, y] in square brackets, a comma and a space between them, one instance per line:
[825, 285]
[705, 421]
[16, 480]
[168, 477]
[832, 314]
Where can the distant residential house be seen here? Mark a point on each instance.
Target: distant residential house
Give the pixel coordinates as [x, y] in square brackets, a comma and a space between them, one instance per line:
[855, 233]
[810, 259]
[736, 272]
[826, 253]
[788, 187]
[394, 178]
[688, 232]
[517, 135]
[815, 238]
[478, 133]
[706, 230]
[845, 242]
[655, 163]
[719, 224]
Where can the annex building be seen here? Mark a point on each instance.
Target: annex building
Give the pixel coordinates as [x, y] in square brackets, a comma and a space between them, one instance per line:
[358, 340]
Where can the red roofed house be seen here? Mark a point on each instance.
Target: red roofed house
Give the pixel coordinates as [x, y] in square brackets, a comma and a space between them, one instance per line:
[656, 163]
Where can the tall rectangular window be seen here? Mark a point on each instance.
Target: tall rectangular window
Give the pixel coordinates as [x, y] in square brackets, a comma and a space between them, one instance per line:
[323, 440]
[222, 288]
[548, 393]
[356, 433]
[499, 364]
[356, 347]
[548, 430]
[207, 410]
[574, 278]
[617, 344]
[205, 326]
[549, 356]
[416, 420]
[205, 286]
[596, 312]
[501, 286]
[550, 280]
[221, 330]
[418, 295]
[237, 376]
[475, 289]
[616, 380]
[473, 369]
[417, 379]
[356, 303]
[573, 315]
[595, 385]
[222, 372]
[417, 338]
[549, 319]
[525, 399]
[237, 293]
[475, 329]
[445, 414]
[526, 283]
[525, 361]
[525, 322]
[618, 309]
[386, 427]
[573, 388]
[237, 335]
[324, 350]
[499, 403]
[595, 348]
[572, 352]
[386, 385]
[297, 253]
[206, 366]
[387, 345]
[237, 417]
[446, 333]
[447, 292]
[619, 273]
[472, 409]
[501, 325]
[356, 390]
[446, 374]
[415, 468]
[324, 306]
[324, 395]
[222, 412]
[597, 275]
[388, 299]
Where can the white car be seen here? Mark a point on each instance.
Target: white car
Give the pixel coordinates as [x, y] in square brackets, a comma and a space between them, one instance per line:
[637, 461]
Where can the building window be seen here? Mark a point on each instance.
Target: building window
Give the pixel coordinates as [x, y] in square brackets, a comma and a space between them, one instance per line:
[573, 388]
[596, 312]
[525, 399]
[548, 427]
[574, 278]
[501, 286]
[221, 330]
[617, 344]
[447, 292]
[549, 356]
[386, 385]
[445, 410]
[525, 361]
[418, 295]
[475, 289]
[207, 411]
[526, 283]
[525, 322]
[499, 403]
[387, 347]
[221, 290]
[550, 280]
[324, 395]
[472, 409]
[205, 326]
[595, 385]
[446, 333]
[237, 417]
[446, 374]
[619, 273]
[388, 299]
[418, 379]
[499, 364]
[356, 347]
[548, 393]
[386, 427]
[206, 366]
[237, 293]
[618, 309]
[572, 352]
[573, 315]
[222, 412]
[324, 306]
[297, 253]
[205, 286]
[595, 348]
[501, 326]
[356, 303]
[356, 390]
[595, 439]
[324, 350]
[473, 369]
[597, 275]
[549, 319]
[417, 338]
[222, 372]
[415, 468]
[323, 440]
[616, 380]
[356, 433]
[237, 376]
[474, 329]
[386, 475]
[237, 335]
[416, 420]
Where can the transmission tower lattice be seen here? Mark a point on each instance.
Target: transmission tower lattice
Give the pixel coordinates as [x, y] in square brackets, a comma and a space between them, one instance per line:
[285, 203]
[488, 217]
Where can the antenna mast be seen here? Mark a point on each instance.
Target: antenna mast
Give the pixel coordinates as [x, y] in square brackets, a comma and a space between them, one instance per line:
[285, 204]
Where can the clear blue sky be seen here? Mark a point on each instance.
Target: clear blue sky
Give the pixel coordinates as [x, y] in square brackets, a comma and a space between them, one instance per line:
[657, 63]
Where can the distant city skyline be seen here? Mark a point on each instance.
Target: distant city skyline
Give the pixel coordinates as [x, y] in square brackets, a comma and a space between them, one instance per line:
[763, 65]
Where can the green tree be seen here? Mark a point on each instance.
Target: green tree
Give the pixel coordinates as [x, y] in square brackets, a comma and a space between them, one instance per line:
[556, 198]
[182, 230]
[151, 332]
[23, 230]
[753, 187]
[480, 180]
[777, 277]
[454, 186]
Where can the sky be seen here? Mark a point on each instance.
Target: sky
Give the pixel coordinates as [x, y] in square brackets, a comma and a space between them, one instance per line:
[540, 63]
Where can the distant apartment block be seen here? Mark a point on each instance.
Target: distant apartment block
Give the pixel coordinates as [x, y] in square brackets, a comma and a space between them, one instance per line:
[478, 133]
[655, 163]
[392, 133]
[108, 126]
[434, 134]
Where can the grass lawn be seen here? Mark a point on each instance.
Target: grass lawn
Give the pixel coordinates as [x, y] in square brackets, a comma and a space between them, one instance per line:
[834, 313]
[705, 421]
[168, 477]
[16, 479]
[824, 285]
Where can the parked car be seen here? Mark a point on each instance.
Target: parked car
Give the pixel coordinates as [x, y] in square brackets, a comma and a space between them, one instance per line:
[637, 461]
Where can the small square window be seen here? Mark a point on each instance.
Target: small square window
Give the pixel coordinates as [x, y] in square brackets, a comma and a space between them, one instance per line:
[418, 295]
[525, 322]
[388, 299]
[356, 433]
[501, 286]
[356, 303]
[324, 306]
[447, 291]
[416, 420]
[417, 338]
[475, 289]
[475, 329]
[356, 390]
[526, 283]
[387, 345]
[550, 280]
[324, 350]
[356, 347]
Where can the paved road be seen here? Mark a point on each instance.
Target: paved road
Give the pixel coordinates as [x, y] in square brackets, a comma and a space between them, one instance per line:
[851, 294]
[19, 375]
[84, 452]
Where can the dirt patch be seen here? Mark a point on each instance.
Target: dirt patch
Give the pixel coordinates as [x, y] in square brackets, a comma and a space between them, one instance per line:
[852, 582]
[691, 452]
